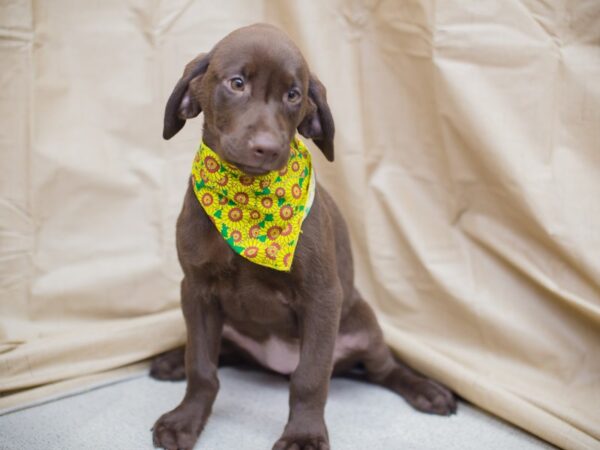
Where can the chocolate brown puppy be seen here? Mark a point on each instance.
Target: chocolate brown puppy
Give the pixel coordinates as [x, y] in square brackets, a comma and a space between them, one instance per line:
[310, 322]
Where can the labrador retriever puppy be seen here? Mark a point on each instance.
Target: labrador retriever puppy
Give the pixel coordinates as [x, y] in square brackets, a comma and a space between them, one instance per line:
[309, 322]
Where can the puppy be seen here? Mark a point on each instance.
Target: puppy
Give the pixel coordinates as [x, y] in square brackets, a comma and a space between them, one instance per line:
[289, 306]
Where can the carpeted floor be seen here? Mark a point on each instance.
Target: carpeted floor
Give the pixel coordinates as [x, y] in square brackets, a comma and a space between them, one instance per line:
[249, 414]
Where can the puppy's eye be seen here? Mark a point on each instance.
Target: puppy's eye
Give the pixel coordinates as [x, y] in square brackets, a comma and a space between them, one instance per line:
[293, 95]
[237, 84]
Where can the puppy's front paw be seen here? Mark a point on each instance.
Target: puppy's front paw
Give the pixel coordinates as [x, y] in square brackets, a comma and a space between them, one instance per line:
[177, 430]
[302, 442]
[431, 397]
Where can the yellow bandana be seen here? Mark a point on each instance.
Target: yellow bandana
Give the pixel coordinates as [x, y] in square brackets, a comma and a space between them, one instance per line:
[260, 217]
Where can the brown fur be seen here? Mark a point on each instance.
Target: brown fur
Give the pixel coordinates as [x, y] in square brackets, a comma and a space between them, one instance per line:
[316, 302]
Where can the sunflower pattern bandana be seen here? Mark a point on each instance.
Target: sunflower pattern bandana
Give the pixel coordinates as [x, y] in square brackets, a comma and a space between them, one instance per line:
[260, 217]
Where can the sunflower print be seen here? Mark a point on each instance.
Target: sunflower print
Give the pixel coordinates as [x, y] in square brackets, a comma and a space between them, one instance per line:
[260, 217]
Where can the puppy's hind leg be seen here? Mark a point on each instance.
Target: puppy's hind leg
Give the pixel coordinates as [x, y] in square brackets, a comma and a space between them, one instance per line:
[169, 366]
[382, 368]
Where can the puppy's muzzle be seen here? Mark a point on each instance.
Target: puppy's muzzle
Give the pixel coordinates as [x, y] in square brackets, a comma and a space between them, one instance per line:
[264, 153]
[264, 149]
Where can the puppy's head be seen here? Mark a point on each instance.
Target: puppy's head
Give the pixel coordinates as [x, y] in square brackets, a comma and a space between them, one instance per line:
[255, 90]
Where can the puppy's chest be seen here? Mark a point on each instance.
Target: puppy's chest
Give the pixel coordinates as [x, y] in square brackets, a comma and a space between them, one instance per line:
[253, 298]
[257, 304]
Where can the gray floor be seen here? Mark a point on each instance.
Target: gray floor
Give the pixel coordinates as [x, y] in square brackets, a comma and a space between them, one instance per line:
[249, 414]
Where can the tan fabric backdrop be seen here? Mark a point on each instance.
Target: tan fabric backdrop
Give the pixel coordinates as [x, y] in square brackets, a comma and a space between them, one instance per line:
[468, 168]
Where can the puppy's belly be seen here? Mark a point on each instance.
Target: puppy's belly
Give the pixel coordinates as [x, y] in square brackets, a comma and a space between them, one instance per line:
[283, 356]
[274, 353]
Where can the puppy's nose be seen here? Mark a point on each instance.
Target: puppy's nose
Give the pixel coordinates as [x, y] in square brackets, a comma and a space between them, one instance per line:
[264, 148]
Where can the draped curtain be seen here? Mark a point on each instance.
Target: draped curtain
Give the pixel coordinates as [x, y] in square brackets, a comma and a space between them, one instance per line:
[467, 166]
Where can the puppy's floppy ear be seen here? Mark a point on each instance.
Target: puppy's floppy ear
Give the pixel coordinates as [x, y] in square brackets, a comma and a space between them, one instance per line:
[317, 123]
[181, 104]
